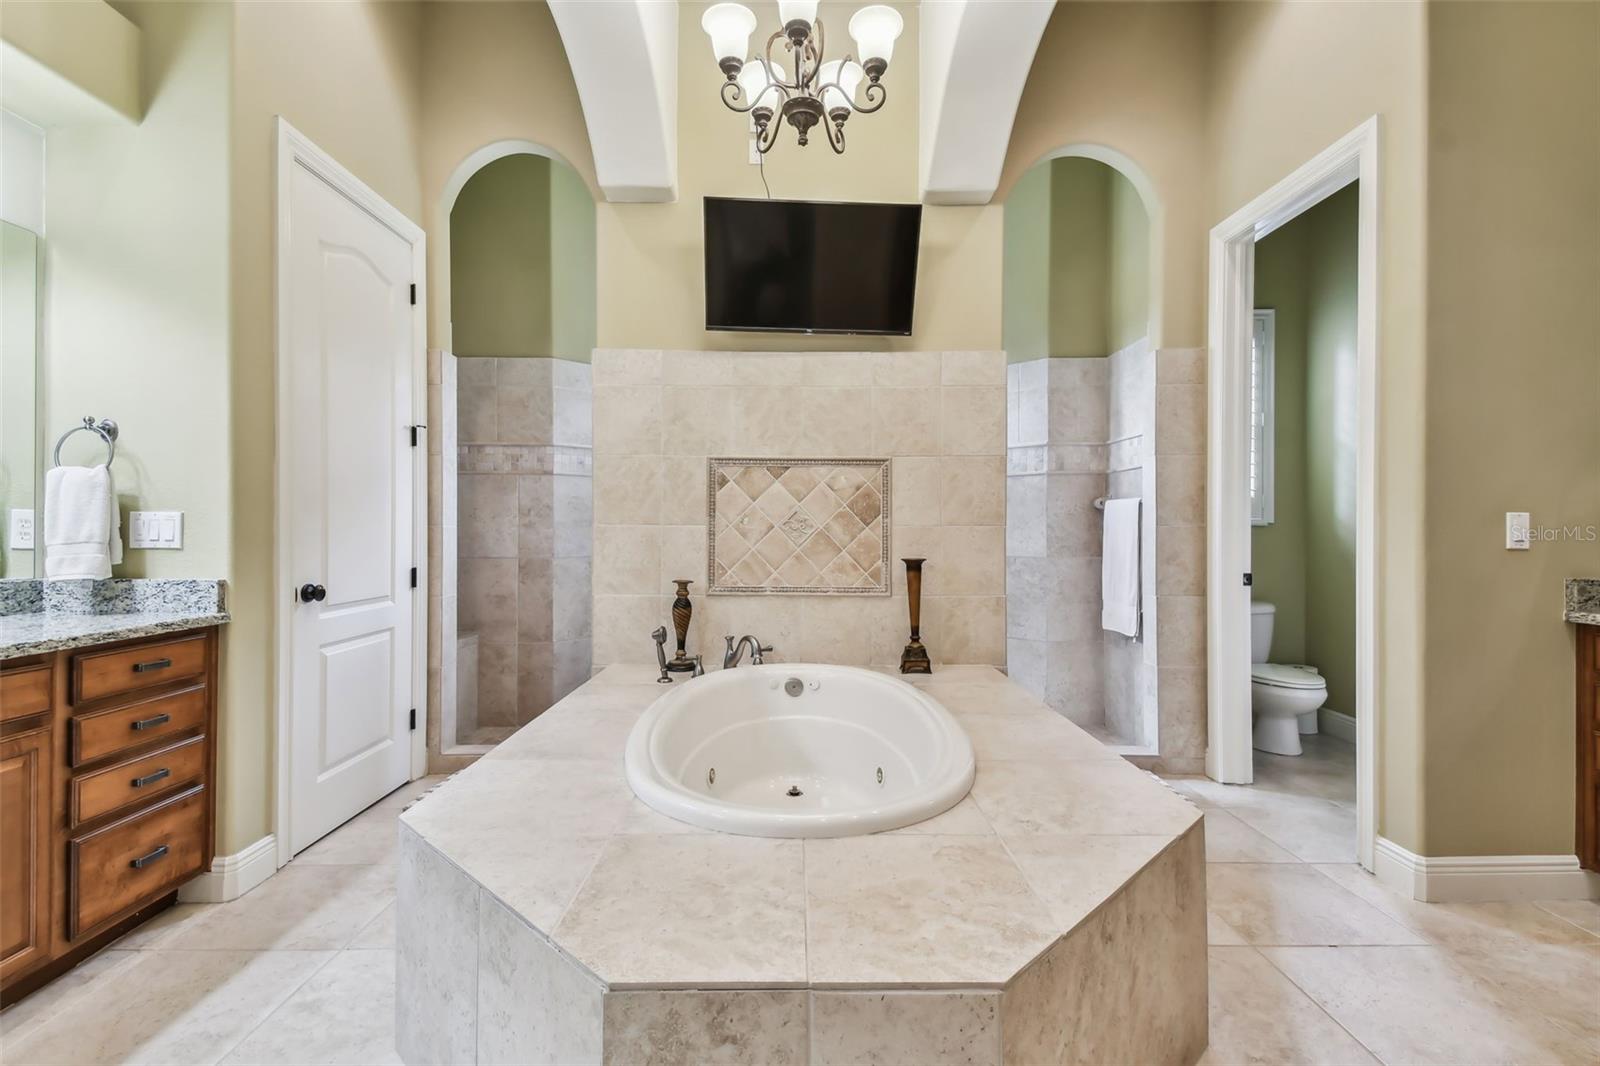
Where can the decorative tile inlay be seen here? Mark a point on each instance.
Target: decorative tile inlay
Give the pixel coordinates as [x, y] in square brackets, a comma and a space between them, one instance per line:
[799, 526]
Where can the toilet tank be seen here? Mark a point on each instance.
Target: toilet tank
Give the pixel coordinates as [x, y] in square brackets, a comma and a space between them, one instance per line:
[1261, 615]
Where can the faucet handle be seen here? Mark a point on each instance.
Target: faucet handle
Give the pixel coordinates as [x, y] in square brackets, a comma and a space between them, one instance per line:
[659, 634]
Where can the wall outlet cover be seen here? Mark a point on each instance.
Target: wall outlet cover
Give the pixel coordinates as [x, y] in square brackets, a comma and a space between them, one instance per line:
[21, 529]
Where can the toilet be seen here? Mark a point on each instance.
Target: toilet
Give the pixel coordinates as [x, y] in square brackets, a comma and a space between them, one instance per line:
[1279, 694]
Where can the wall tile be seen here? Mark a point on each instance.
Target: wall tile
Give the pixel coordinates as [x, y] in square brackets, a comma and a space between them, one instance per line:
[487, 596]
[627, 490]
[572, 417]
[436, 956]
[834, 422]
[916, 486]
[900, 369]
[757, 1026]
[535, 584]
[536, 515]
[683, 490]
[683, 555]
[1183, 711]
[973, 491]
[622, 626]
[497, 682]
[574, 516]
[696, 420]
[850, 370]
[477, 413]
[1181, 490]
[534, 1004]
[1073, 525]
[1026, 516]
[487, 515]
[974, 421]
[973, 368]
[627, 561]
[627, 420]
[1181, 561]
[1079, 413]
[885, 1029]
[626, 366]
[905, 421]
[973, 560]
[1181, 420]
[1181, 366]
[1183, 630]
[536, 666]
[571, 601]
[767, 421]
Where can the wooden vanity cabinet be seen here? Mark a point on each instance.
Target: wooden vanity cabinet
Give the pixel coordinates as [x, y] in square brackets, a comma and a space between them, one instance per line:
[107, 795]
[1589, 747]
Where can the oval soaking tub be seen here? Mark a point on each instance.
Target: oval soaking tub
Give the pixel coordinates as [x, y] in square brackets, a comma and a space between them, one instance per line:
[798, 750]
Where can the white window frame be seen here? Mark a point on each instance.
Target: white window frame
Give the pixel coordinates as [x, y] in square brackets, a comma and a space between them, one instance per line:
[1263, 417]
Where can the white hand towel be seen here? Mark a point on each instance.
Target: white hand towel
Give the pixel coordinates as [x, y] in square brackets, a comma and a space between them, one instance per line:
[82, 525]
[1119, 568]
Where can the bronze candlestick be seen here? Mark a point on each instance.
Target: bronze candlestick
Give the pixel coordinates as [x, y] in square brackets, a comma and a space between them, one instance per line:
[682, 611]
[914, 660]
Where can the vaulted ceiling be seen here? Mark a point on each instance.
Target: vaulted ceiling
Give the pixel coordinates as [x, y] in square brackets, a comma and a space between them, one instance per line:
[975, 56]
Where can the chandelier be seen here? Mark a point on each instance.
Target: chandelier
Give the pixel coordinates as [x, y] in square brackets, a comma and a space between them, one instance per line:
[820, 93]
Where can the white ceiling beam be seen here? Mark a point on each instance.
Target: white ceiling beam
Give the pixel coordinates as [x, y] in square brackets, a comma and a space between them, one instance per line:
[975, 57]
[624, 59]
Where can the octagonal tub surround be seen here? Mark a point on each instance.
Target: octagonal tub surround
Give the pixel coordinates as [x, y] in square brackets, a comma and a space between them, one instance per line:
[1056, 913]
[799, 750]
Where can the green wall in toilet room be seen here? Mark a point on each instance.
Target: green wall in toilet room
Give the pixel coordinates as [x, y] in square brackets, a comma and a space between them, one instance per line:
[1304, 562]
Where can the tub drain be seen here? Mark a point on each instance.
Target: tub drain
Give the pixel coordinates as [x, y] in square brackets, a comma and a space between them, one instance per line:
[794, 790]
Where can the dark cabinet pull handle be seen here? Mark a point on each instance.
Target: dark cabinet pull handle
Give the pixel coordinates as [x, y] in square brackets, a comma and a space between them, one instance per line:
[150, 779]
[153, 664]
[151, 722]
[145, 860]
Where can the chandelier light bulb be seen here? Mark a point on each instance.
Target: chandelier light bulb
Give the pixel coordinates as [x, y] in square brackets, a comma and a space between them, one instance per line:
[755, 80]
[875, 29]
[847, 76]
[797, 11]
[729, 26]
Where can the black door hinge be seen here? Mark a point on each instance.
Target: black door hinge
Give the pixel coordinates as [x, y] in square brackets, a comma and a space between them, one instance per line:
[413, 577]
[413, 294]
[414, 433]
[1249, 579]
[413, 719]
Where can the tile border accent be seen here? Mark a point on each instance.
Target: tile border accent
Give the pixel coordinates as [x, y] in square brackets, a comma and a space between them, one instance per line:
[885, 582]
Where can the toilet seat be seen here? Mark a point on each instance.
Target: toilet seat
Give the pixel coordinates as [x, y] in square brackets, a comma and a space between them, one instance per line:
[1280, 675]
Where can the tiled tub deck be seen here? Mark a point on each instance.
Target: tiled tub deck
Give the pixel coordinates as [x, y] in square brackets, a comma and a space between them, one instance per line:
[1057, 914]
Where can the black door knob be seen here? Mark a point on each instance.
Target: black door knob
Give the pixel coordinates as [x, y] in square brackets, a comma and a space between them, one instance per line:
[310, 593]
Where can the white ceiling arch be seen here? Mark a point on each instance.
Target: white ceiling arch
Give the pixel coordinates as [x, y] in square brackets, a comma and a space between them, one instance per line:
[975, 57]
[624, 59]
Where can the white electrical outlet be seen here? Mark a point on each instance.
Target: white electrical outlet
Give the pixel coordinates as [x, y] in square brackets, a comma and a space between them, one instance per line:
[21, 537]
[155, 529]
[1518, 534]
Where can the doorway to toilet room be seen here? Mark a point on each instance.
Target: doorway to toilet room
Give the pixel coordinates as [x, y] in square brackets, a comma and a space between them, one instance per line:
[1290, 501]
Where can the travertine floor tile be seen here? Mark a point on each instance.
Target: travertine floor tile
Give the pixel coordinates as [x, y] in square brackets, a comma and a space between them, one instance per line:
[343, 1014]
[1419, 1005]
[299, 908]
[1230, 840]
[1258, 1015]
[1281, 903]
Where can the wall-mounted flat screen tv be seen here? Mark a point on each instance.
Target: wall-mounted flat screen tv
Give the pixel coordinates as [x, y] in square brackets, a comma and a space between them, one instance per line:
[794, 266]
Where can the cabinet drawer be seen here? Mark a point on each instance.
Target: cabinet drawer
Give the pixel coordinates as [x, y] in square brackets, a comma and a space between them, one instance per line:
[24, 692]
[131, 862]
[136, 725]
[108, 673]
[139, 780]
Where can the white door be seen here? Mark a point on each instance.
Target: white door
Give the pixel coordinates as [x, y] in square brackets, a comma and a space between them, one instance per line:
[349, 324]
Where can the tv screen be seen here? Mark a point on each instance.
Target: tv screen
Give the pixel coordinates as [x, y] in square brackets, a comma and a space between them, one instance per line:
[792, 266]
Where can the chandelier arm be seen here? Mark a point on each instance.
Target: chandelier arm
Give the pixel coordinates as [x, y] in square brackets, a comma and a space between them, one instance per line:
[816, 45]
[767, 52]
[875, 96]
[767, 136]
[835, 136]
[729, 100]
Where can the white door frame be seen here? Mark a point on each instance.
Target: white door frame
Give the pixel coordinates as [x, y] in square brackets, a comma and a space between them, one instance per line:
[1232, 288]
[295, 149]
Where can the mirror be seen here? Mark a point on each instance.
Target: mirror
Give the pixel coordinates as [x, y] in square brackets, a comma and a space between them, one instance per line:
[19, 433]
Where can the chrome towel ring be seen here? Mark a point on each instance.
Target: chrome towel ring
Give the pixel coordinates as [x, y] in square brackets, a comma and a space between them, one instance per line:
[105, 429]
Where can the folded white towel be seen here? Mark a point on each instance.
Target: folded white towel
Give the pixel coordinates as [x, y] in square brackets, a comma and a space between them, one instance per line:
[82, 523]
[1119, 568]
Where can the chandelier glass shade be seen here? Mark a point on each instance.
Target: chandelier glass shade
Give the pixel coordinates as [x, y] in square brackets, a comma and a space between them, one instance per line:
[821, 92]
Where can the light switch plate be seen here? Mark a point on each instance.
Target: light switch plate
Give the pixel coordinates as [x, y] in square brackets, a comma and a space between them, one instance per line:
[155, 529]
[1517, 531]
[21, 536]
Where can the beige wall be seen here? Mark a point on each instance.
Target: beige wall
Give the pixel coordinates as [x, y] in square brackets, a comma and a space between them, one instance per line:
[92, 46]
[490, 72]
[348, 77]
[651, 268]
[19, 391]
[1131, 78]
[1514, 385]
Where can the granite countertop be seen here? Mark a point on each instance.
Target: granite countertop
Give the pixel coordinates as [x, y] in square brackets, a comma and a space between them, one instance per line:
[1583, 601]
[1056, 825]
[45, 616]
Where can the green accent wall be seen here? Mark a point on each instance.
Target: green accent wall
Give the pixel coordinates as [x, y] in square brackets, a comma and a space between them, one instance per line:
[1305, 561]
[1076, 262]
[522, 262]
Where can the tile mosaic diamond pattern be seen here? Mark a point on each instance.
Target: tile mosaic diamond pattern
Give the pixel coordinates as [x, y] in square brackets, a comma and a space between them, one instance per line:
[799, 526]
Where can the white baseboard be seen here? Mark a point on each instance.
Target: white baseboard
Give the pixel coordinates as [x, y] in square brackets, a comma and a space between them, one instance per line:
[231, 876]
[1337, 724]
[1480, 878]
